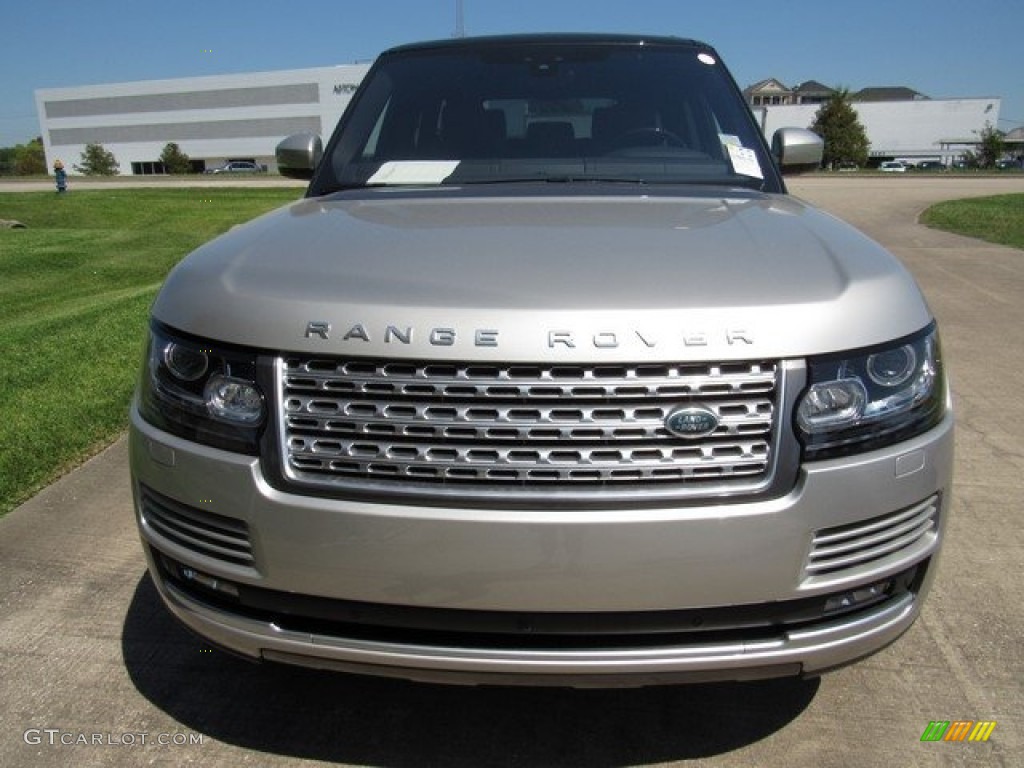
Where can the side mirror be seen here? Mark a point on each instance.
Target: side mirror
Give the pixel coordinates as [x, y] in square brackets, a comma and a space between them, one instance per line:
[298, 155]
[797, 149]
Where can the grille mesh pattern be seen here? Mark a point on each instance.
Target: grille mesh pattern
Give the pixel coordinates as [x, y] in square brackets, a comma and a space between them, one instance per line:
[508, 426]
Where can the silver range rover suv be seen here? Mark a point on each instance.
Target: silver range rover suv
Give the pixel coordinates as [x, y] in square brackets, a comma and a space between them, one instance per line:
[546, 380]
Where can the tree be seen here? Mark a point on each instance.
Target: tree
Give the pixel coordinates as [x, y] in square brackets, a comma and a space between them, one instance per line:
[837, 123]
[990, 146]
[30, 159]
[97, 161]
[7, 160]
[174, 160]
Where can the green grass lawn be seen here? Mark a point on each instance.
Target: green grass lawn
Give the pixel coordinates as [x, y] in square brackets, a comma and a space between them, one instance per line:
[75, 290]
[998, 219]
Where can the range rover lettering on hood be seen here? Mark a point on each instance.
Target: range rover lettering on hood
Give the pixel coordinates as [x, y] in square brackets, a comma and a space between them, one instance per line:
[560, 338]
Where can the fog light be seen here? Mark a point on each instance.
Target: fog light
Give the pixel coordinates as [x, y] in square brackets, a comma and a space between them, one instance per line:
[857, 598]
[210, 582]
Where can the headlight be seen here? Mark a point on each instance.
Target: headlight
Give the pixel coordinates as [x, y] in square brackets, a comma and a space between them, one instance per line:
[873, 398]
[201, 392]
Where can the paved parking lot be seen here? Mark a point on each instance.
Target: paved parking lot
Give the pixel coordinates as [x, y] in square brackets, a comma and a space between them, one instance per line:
[96, 673]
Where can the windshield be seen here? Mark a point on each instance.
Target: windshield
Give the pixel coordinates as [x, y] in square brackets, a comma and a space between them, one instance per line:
[553, 112]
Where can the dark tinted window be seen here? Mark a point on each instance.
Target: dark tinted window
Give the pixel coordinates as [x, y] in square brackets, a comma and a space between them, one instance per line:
[465, 115]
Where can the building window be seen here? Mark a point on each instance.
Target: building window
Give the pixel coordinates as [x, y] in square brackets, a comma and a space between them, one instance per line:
[148, 169]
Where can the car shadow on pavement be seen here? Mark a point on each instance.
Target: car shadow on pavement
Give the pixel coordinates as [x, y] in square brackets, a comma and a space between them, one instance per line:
[380, 722]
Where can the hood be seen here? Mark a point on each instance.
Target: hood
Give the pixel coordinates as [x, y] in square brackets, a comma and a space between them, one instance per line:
[545, 277]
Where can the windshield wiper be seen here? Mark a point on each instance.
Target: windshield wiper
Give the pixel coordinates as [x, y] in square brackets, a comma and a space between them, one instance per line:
[548, 179]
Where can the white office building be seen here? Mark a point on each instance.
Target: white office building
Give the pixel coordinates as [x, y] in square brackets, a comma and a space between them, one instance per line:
[913, 130]
[213, 119]
[220, 118]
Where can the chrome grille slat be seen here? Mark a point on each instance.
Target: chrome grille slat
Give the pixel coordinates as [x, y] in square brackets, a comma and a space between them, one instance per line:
[364, 422]
[874, 551]
[380, 417]
[198, 530]
[422, 459]
[834, 550]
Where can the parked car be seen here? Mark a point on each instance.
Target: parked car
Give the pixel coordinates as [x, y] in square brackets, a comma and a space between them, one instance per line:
[546, 380]
[893, 166]
[931, 165]
[239, 166]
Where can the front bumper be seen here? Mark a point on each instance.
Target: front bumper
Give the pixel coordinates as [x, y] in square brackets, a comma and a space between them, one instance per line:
[882, 514]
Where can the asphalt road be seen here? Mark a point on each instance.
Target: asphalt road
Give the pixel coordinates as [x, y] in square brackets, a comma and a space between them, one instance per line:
[95, 672]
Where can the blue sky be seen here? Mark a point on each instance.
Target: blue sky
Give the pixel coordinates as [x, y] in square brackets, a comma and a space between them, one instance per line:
[939, 47]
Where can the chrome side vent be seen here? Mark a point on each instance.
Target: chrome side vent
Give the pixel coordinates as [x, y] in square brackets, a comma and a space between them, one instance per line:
[197, 530]
[847, 548]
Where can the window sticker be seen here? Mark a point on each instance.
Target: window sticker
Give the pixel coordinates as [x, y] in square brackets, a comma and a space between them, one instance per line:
[706, 58]
[414, 172]
[744, 161]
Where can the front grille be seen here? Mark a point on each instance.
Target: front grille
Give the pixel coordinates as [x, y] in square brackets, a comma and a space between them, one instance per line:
[520, 428]
[844, 549]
